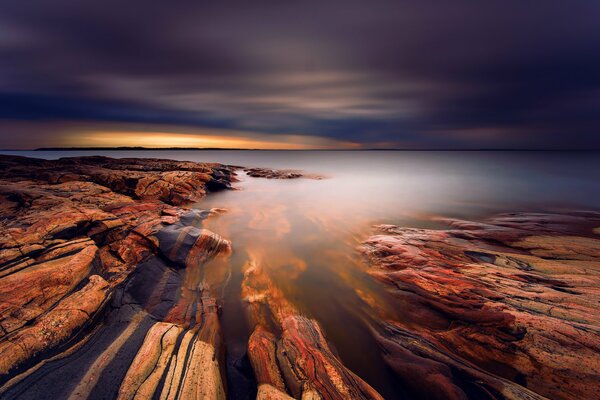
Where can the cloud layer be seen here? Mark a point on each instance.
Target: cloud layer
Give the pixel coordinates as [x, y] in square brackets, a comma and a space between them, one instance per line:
[411, 74]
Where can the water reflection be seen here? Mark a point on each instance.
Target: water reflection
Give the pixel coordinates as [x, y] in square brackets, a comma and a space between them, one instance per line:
[300, 236]
[297, 239]
[296, 259]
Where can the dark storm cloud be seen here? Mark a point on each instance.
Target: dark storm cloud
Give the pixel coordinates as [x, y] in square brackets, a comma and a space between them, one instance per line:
[385, 73]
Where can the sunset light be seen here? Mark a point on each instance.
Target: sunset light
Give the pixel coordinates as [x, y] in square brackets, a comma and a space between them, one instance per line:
[300, 200]
[175, 139]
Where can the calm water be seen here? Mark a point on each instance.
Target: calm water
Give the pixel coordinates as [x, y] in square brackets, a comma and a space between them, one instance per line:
[304, 233]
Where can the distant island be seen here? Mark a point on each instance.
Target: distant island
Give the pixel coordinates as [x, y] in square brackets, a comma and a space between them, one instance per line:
[141, 148]
[134, 148]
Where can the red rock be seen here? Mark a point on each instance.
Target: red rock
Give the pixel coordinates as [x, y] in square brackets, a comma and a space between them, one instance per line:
[65, 221]
[507, 308]
[292, 357]
[173, 182]
[54, 327]
[32, 290]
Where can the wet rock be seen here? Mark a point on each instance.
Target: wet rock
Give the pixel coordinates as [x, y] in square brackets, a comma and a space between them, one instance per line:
[503, 308]
[188, 245]
[278, 173]
[263, 347]
[289, 353]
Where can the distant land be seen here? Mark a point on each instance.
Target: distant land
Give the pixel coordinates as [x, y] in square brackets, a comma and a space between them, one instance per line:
[141, 148]
[135, 148]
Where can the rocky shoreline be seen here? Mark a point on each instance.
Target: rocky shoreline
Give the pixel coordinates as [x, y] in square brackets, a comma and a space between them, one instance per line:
[110, 287]
[93, 238]
[106, 276]
[505, 308]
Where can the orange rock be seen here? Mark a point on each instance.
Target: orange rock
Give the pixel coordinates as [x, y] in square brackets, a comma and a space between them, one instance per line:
[298, 360]
[507, 308]
[29, 292]
[54, 327]
[63, 221]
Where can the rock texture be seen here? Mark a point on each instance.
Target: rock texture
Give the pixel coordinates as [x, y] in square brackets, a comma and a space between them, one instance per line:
[172, 182]
[288, 351]
[507, 308]
[279, 173]
[93, 238]
[111, 288]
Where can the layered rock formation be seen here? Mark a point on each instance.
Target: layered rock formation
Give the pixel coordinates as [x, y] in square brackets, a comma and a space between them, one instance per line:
[288, 351]
[111, 288]
[88, 239]
[507, 308]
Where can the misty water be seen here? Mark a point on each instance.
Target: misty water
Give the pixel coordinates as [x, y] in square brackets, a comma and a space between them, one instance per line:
[305, 232]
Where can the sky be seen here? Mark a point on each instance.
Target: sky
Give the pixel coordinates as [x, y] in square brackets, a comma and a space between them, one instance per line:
[345, 74]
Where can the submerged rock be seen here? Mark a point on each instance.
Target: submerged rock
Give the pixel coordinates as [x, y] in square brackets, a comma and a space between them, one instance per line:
[288, 351]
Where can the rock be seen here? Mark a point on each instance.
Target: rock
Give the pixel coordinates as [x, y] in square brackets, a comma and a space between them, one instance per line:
[78, 232]
[150, 363]
[54, 327]
[183, 357]
[173, 182]
[504, 308]
[198, 377]
[268, 392]
[309, 366]
[279, 174]
[262, 346]
[110, 288]
[26, 293]
[188, 245]
[288, 351]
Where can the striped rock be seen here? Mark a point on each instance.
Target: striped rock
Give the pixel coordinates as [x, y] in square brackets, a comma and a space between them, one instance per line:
[504, 308]
[86, 272]
[292, 357]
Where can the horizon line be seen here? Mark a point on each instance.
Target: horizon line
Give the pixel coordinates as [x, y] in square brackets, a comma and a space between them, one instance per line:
[142, 148]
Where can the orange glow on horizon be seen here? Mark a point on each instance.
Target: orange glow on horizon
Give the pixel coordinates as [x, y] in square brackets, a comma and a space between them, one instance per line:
[241, 140]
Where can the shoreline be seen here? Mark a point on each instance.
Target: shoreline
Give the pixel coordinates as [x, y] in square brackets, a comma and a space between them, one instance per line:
[106, 250]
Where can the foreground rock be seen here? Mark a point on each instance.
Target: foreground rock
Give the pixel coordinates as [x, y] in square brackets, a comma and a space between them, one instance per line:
[288, 351]
[110, 288]
[504, 308]
[93, 238]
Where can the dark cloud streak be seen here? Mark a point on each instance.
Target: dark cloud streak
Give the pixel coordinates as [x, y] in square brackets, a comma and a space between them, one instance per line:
[424, 74]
